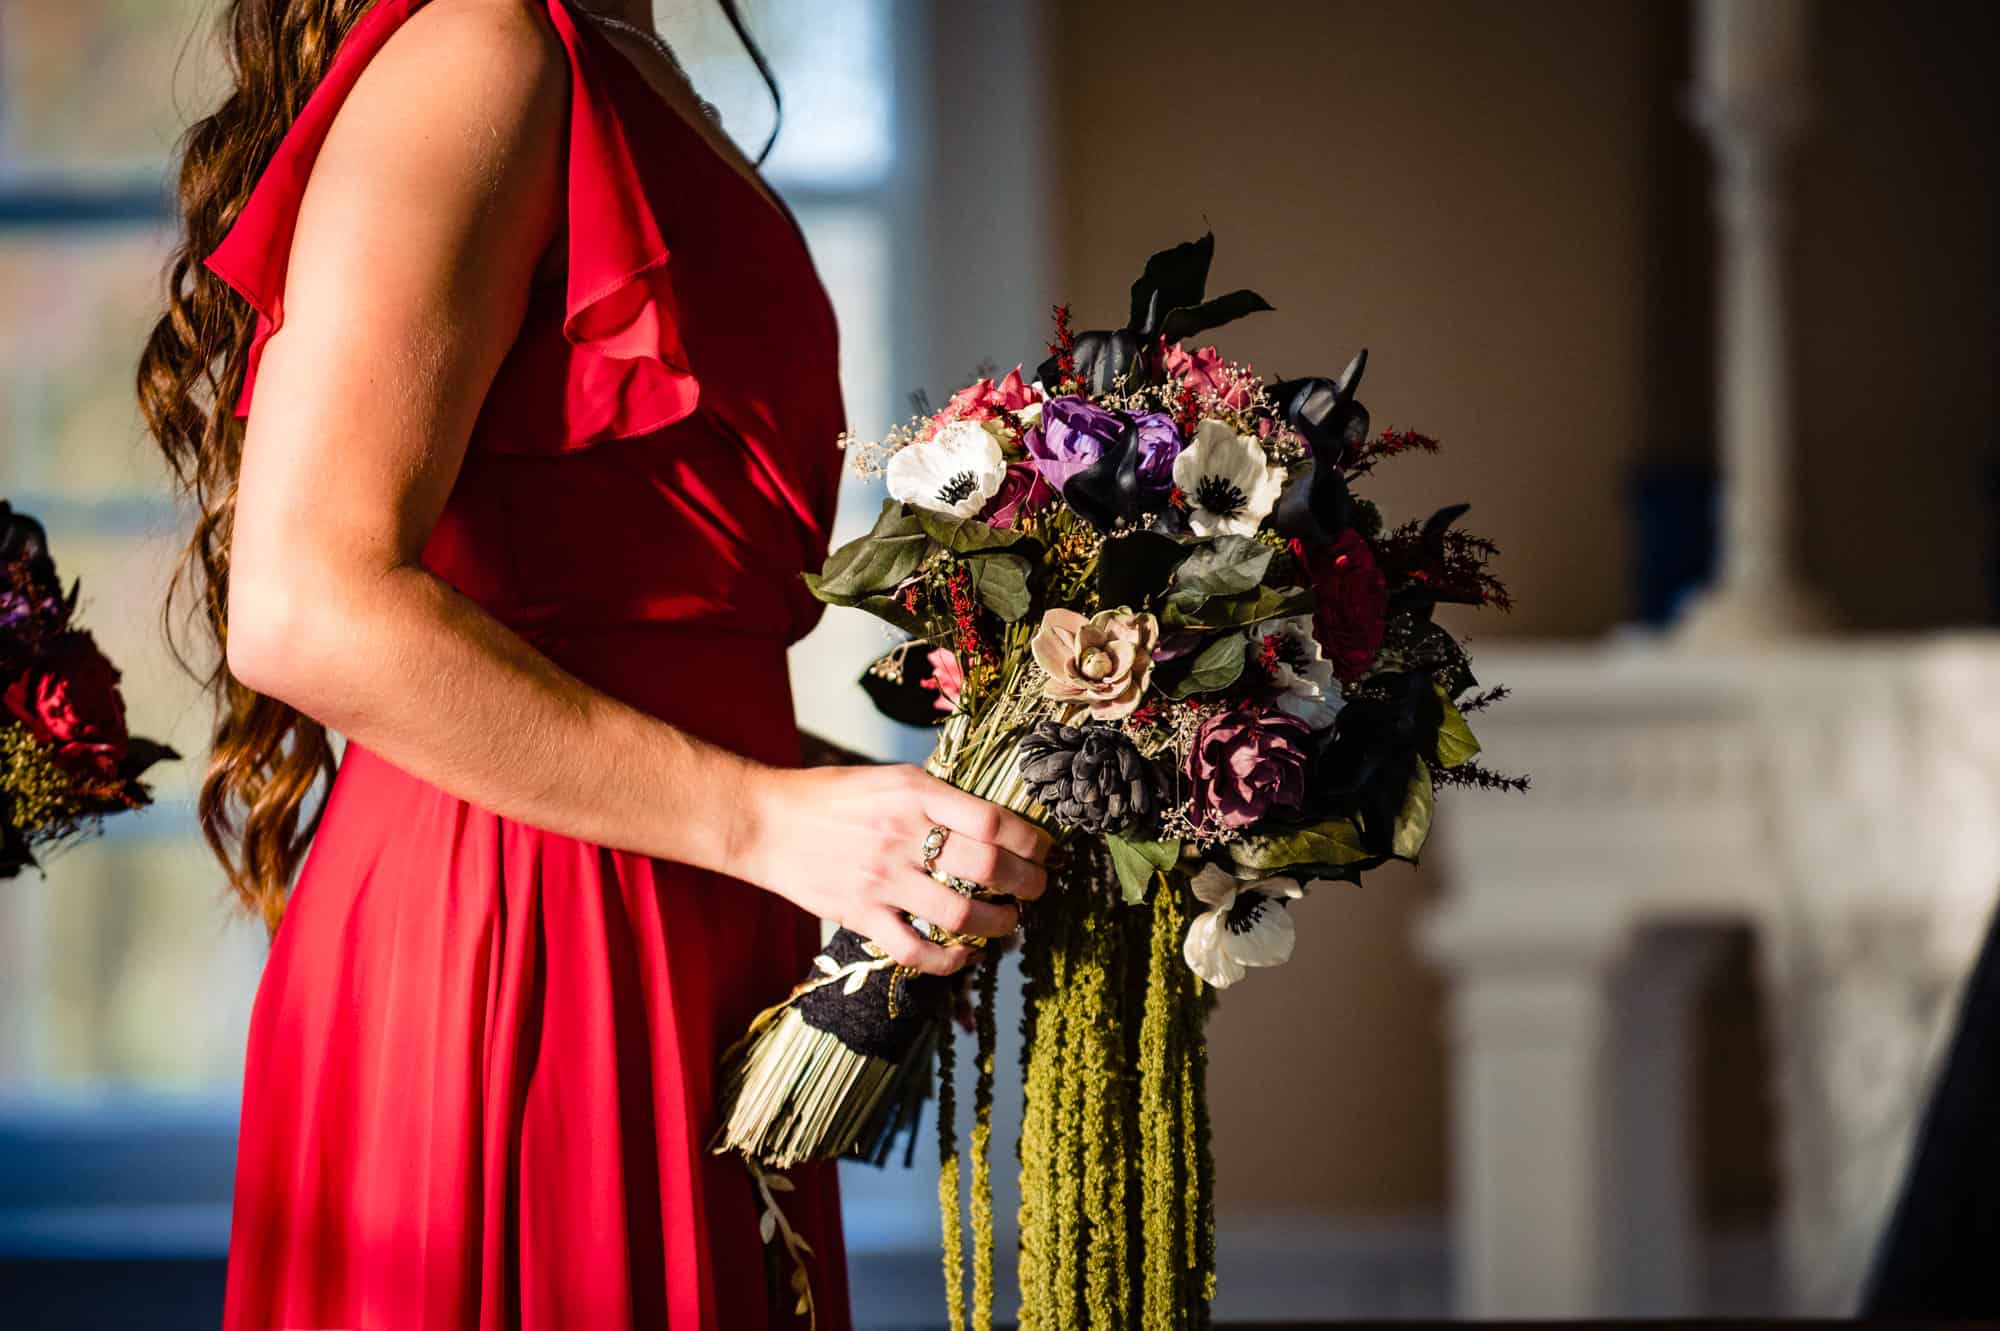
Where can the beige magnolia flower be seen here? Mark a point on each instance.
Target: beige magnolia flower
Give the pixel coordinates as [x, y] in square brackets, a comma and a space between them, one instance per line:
[1104, 661]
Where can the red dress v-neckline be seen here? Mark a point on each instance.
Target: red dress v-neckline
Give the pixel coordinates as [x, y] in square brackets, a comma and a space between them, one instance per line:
[744, 170]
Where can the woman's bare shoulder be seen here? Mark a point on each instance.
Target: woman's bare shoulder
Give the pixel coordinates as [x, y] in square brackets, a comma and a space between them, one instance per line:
[448, 147]
[462, 84]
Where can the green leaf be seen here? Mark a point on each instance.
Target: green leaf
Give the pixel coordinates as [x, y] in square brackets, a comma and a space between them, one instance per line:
[1215, 666]
[1337, 873]
[1455, 743]
[1225, 567]
[1413, 824]
[964, 536]
[890, 610]
[876, 562]
[1136, 861]
[1135, 569]
[879, 604]
[1336, 841]
[1193, 611]
[1135, 871]
[1001, 584]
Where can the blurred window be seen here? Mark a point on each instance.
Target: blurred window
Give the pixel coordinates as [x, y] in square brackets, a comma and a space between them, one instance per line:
[126, 975]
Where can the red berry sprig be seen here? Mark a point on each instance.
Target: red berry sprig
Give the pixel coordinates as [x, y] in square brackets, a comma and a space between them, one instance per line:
[1063, 348]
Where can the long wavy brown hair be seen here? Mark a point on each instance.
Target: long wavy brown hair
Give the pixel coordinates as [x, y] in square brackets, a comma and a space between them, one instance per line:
[266, 757]
[257, 809]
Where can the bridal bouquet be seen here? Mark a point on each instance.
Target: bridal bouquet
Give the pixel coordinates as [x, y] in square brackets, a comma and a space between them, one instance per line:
[66, 759]
[1151, 615]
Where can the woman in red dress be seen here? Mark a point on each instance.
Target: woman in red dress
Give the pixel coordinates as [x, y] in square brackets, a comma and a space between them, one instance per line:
[506, 394]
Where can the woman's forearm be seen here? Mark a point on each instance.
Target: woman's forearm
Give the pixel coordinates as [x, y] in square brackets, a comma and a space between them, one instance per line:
[411, 669]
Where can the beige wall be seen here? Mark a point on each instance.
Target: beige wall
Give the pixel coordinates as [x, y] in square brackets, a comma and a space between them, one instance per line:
[1502, 203]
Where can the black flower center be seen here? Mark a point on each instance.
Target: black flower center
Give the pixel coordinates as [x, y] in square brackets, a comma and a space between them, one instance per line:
[958, 489]
[1219, 495]
[1247, 910]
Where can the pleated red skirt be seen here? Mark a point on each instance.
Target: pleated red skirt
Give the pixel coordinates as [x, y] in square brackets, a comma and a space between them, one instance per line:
[483, 1059]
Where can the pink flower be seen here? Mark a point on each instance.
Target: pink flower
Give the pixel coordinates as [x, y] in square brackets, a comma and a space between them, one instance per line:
[1249, 763]
[985, 400]
[1205, 371]
[945, 677]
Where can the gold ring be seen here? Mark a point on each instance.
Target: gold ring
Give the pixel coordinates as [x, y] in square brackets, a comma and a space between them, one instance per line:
[933, 847]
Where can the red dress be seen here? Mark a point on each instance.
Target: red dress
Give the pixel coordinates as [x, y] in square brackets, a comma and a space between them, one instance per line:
[482, 1064]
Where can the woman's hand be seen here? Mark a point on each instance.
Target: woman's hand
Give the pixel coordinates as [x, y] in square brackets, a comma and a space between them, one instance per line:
[846, 844]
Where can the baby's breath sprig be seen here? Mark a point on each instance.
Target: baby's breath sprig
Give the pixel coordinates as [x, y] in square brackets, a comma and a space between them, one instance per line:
[1179, 723]
[870, 457]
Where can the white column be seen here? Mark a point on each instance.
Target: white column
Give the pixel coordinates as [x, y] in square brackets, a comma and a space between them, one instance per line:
[1656, 1266]
[1750, 99]
[1532, 1117]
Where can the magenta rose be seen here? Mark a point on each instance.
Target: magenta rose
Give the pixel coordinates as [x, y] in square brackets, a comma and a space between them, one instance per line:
[68, 699]
[1022, 493]
[1249, 763]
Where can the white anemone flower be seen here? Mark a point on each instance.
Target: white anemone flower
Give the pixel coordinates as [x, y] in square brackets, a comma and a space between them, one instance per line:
[955, 471]
[1229, 484]
[1245, 925]
[1300, 672]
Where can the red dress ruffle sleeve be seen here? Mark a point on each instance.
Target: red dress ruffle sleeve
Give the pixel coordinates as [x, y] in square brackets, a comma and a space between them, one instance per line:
[624, 370]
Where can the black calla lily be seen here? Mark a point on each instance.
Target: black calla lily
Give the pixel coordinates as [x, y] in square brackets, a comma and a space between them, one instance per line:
[1316, 507]
[1110, 493]
[1102, 359]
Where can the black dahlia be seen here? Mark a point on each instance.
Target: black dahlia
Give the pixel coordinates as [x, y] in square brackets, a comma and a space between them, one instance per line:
[1092, 777]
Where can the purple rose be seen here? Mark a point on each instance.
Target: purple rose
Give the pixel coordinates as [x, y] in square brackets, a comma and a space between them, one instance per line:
[1159, 444]
[1022, 494]
[1073, 435]
[1248, 763]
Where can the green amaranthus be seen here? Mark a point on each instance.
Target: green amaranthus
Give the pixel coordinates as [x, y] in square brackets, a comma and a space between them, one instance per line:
[1117, 1216]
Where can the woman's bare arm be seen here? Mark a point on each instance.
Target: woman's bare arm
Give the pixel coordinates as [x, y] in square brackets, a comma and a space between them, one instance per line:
[428, 210]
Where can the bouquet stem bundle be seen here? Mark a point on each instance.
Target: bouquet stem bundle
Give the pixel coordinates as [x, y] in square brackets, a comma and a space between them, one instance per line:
[821, 1075]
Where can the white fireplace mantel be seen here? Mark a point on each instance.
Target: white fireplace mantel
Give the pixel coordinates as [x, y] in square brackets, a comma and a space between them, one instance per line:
[1841, 798]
